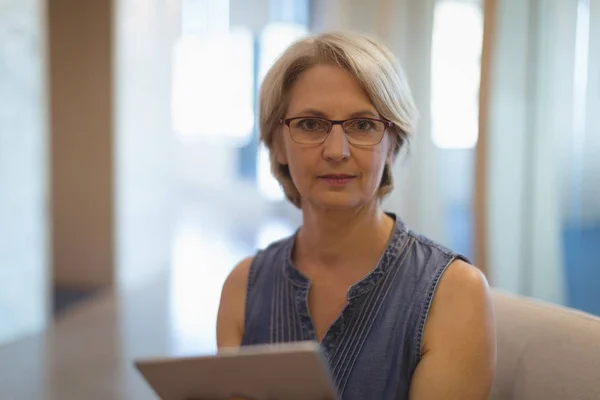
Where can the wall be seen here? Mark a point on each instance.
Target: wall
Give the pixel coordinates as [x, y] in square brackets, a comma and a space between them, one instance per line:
[23, 169]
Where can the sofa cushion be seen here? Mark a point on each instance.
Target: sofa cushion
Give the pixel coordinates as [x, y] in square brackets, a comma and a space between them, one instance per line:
[545, 351]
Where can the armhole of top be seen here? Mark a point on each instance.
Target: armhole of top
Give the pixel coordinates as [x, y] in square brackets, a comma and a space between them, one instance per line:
[418, 352]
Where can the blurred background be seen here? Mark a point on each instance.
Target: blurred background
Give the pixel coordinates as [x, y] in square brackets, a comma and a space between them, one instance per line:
[132, 181]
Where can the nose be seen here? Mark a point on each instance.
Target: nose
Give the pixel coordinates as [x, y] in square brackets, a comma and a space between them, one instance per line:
[336, 146]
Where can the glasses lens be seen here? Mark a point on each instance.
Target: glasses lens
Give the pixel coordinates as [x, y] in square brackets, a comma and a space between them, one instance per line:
[364, 131]
[309, 130]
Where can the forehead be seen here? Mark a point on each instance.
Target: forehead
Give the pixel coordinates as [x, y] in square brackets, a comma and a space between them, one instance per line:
[329, 89]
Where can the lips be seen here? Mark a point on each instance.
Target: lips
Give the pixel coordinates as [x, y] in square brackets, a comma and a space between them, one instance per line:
[337, 180]
[336, 176]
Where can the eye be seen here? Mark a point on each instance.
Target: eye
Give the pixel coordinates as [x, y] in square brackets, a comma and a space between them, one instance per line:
[361, 125]
[311, 125]
[364, 124]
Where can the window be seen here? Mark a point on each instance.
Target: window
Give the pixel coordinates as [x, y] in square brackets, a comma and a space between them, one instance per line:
[455, 73]
[213, 87]
[213, 76]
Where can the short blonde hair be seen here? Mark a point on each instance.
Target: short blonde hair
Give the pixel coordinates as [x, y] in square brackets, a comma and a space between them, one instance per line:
[373, 66]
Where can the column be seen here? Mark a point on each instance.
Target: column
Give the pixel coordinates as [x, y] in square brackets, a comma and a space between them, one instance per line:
[111, 140]
[81, 115]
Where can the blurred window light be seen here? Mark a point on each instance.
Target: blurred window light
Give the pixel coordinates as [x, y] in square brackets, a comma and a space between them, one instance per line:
[455, 73]
[200, 17]
[201, 261]
[213, 76]
[296, 11]
[268, 186]
[273, 230]
[274, 39]
[213, 82]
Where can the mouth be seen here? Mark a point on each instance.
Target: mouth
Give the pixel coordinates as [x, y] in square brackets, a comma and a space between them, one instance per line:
[337, 179]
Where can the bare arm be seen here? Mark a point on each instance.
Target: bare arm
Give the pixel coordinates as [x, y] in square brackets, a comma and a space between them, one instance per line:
[230, 318]
[459, 343]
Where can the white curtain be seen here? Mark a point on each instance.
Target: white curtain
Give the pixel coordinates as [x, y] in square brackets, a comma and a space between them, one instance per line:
[530, 109]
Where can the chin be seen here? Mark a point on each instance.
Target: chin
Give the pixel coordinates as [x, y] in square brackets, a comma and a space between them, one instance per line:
[338, 201]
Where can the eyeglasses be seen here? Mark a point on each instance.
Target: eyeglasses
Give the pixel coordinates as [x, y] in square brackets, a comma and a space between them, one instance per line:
[359, 131]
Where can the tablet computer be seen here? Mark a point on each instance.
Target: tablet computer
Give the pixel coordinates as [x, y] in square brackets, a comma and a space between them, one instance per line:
[290, 371]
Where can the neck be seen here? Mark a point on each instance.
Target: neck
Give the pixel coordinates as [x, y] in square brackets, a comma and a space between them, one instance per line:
[338, 238]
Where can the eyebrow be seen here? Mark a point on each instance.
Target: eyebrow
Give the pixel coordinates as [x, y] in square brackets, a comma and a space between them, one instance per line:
[356, 114]
[364, 113]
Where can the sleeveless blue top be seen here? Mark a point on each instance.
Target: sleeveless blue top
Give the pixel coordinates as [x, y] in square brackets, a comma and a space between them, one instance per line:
[374, 345]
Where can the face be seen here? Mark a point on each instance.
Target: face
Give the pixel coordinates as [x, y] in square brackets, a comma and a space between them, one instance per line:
[335, 173]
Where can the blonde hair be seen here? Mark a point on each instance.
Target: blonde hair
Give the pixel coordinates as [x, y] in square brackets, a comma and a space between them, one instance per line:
[375, 69]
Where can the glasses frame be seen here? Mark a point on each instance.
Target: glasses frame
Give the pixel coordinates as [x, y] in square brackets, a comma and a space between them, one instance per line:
[340, 122]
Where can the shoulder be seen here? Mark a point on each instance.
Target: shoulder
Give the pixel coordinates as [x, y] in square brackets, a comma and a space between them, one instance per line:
[230, 318]
[459, 341]
[461, 310]
[237, 279]
[464, 279]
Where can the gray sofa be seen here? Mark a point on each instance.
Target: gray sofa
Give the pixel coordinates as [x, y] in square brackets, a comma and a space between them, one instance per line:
[545, 352]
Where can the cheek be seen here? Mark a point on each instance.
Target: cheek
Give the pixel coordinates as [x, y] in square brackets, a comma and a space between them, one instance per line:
[376, 163]
[299, 163]
[372, 163]
[384, 153]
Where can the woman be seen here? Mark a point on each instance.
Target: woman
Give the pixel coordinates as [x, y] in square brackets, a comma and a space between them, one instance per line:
[398, 316]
